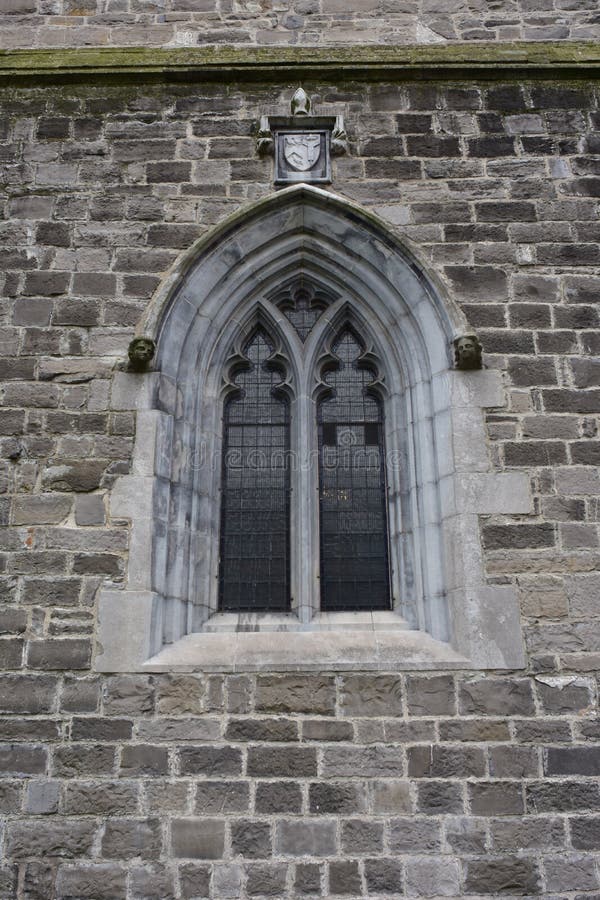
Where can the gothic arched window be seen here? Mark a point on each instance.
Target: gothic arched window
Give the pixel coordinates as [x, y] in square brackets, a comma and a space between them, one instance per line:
[368, 559]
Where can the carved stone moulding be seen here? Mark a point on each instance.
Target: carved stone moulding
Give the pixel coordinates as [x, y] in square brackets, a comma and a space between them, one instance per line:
[301, 143]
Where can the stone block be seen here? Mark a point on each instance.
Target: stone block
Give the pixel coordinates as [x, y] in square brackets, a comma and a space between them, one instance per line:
[527, 834]
[583, 592]
[210, 761]
[129, 694]
[276, 797]
[227, 881]
[344, 878]
[444, 761]
[430, 696]
[295, 694]
[497, 798]
[164, 797]
[572, 761]
[306, 837]
[92, 881]
[198, 838]
[71, 653]
[361, 836]
[282, 762]
[131, 838]
[514, 762]
[251, 839]
[384, 876]
[41, 797]
[23, 759]
[101, 798]
[509, 875]
[180, 694]
[574, 871]
[100, 728]
[496, 697]
[50, 838]
[89, 509]
[325, 730]
[371, 761]
[43, 509]
[432, 877]
[59, 592]
[562, 796]
[308, 878]
[261, 730]
[74, 760]
[266, 880]
[74, 475]
[435, 798]
[390, 796]
[337, 797]
[371, 695]
[152, 883]
[27, 693]
[465, 835]
[194, 880]
[144, 759]
[564, 695]
[80, 695]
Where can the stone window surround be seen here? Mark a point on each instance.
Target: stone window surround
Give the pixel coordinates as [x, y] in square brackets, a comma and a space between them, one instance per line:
[455, 619]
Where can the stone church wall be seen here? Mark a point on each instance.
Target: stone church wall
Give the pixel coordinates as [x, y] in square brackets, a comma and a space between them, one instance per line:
[417, 785]
[84, 23]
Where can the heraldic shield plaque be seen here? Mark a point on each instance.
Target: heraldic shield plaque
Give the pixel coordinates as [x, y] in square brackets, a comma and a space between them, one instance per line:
[302, 156]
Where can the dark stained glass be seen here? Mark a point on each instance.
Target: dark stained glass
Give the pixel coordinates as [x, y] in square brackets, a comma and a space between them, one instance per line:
[302, 303]
[352, 490]
[254, 563]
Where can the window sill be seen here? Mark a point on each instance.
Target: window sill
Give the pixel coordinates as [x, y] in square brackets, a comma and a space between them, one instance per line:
[360, 648]
[380, 620]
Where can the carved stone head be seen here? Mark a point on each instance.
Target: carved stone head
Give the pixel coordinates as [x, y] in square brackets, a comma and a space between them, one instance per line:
[141, 350]
[467, 352]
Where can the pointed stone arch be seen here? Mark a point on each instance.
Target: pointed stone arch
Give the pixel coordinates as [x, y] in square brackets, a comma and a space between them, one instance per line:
[439, 469]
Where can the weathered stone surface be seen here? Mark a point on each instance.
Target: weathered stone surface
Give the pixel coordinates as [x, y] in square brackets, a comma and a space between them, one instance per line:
[92, 880]
[306, 838]
[511, 875]
[295, 693]
[129, 838]
[251, 839]
[198, 838]
[497, 697]
[371, 695]
[41, 837]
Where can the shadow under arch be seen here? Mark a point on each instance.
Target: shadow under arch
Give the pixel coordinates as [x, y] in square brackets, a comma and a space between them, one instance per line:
[216, 290]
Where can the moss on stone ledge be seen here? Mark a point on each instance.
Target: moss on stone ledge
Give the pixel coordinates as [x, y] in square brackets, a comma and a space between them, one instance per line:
[489, 60]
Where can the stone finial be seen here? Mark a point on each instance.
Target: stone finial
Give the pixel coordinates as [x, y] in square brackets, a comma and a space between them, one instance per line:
[140, 352]
[467, 352]
[300, 104]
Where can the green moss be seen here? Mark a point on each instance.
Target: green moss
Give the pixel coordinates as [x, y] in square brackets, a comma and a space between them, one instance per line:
[226, 63]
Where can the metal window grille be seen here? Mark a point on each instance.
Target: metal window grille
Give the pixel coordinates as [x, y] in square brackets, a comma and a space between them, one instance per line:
[352, 487]
[254, 559]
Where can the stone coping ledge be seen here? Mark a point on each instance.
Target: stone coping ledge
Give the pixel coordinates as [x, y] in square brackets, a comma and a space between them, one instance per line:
[488, 60]
[362, 650]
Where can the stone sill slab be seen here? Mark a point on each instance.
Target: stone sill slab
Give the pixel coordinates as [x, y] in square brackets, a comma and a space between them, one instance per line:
[226, 623]
[333, 651]
[488, 60]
